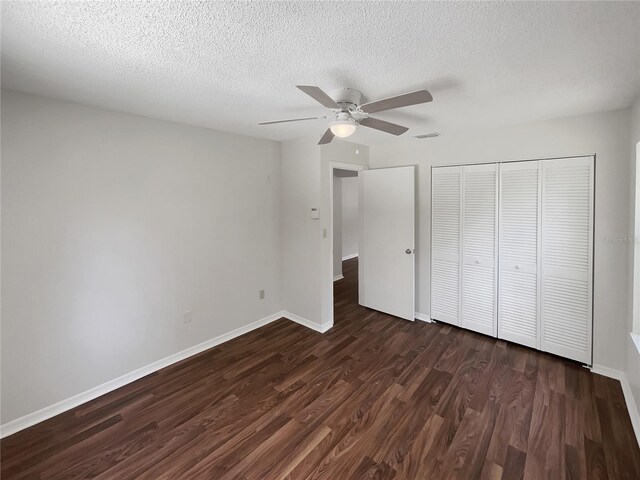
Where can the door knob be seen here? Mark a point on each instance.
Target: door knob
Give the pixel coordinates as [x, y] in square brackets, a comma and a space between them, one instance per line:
[408, 251]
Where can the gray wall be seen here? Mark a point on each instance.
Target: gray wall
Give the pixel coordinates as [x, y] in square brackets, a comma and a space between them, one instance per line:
[113, 226]
[307, 261]
[301, 235]
[633, 356]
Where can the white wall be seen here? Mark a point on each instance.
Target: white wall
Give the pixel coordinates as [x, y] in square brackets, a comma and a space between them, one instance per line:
[337, 226]
[605, 134]
[112, 227]
[349, 216]
[301, 235]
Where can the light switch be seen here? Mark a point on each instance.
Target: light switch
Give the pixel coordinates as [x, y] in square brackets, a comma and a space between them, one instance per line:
[315, 213]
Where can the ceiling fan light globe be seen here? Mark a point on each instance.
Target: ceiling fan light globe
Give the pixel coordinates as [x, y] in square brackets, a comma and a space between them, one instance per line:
[343, 128]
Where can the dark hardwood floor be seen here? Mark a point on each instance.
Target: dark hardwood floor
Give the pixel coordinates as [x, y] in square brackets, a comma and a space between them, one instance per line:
[374, 398]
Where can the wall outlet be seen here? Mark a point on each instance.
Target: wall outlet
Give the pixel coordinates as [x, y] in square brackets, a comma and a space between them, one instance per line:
[261, 294]
[187, 317]
[324, 233]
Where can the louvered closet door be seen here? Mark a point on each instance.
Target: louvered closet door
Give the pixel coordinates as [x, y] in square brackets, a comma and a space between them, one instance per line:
[567, 236]
[519, 246]
[445, 244]
[479, 213]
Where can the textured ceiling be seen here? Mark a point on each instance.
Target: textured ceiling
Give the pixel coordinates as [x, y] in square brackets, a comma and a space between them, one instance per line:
[228, 65]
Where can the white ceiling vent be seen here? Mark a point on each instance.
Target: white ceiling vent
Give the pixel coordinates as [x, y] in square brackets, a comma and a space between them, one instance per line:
[428, 135]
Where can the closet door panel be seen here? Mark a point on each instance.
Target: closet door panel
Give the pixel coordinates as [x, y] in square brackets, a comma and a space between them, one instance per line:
[445, 244]
[479, 215]
[567, 258]
[518, 319]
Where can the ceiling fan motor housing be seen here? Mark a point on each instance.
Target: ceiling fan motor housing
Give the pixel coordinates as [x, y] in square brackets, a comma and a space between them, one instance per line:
[347, 98]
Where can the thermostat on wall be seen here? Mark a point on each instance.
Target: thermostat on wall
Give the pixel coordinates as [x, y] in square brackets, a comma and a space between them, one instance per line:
[315, 213]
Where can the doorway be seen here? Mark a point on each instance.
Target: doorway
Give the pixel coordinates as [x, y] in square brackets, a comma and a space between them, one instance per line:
[345, 241]
[385, 264]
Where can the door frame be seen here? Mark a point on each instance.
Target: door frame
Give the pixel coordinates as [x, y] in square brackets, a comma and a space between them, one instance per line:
[353, 167]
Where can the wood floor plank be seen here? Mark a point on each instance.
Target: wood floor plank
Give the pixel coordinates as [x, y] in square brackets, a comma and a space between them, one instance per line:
[575, 467]
[514, 464]
[465, 457]
[491, 471]
[520, 435]
[414, 464]
[376, 397]
[401, 436]
[596, 464]
[368, 469]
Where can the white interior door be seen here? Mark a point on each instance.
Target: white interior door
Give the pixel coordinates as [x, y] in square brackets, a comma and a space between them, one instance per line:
[479, 248]
[446, 205]
[567, 257]
[519, 253]
[386, 265]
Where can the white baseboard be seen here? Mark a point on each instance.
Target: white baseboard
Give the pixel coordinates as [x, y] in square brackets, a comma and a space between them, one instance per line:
[77, 400]
[338, 277]
[306, 323]
[349, 257]
[628, 395]
[423, 317]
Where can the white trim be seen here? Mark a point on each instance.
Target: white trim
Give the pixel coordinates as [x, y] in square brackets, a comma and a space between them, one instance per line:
[636, 340]
[635, 250]
[632, 408]
[307, 323]
[423, 317]
[349, 257]
[352, 167]
[607, 372]
[338, 277]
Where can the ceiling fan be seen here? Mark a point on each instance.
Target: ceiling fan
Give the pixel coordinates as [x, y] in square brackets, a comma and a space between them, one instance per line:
[347, 113]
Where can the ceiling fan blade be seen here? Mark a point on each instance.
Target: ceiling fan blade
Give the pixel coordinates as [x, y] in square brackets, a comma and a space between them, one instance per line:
[383, 126]
[290, 120]
[405, 100]
[327, 137]
[319, 96]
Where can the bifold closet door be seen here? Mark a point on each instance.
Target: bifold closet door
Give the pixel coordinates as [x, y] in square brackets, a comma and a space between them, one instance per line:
[479, 248]
[445, 244]
[519, 241]
[567, 257]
